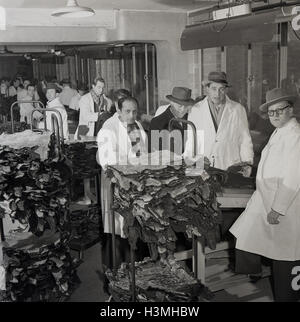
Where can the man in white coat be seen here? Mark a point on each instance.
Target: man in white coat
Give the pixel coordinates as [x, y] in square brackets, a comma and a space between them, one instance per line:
[270, 224]
[121, 140]
[91, 106]
[222, 125]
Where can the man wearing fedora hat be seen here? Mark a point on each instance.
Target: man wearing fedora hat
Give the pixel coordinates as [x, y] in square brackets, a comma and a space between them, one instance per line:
[226, 139]
[270, 225]
[180, 101]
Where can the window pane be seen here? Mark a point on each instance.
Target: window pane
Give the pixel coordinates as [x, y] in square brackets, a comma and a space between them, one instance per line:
[211, 62]
[292, 81]
[263, 72]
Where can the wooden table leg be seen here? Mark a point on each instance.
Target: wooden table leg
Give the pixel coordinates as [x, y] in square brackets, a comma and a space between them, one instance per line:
[200, 261]
[132, 259]
[113, 237]
[195, 256]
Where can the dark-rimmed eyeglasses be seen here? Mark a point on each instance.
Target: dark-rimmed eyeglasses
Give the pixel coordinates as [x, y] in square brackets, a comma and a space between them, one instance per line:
[277, 112]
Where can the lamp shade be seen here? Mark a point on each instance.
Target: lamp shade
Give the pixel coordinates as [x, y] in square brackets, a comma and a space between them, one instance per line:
[73, 10]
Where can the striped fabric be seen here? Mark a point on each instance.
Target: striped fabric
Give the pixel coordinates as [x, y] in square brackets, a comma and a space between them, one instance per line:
[135, 138]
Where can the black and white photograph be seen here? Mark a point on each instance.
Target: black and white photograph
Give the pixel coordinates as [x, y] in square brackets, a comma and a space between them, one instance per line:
[149, 154]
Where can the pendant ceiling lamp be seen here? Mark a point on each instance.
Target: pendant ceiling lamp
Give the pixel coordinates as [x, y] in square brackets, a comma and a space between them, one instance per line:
[73, 10]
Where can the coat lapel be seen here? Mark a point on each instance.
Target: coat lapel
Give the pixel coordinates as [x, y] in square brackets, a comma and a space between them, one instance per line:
[225, 116]
[208, 116]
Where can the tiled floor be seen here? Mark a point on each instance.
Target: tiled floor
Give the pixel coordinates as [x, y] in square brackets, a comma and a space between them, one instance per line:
[91, 287]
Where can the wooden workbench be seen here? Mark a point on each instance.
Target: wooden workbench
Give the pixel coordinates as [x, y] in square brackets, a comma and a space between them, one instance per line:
[228, 198]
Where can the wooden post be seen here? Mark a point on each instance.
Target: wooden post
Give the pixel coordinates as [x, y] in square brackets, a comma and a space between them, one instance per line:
[132, 260]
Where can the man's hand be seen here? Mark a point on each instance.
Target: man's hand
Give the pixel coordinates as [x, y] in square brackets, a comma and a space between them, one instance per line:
[200, 159]
[273, 217]
[246, 171]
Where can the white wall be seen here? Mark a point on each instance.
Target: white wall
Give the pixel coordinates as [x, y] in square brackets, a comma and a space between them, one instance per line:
[33, 26]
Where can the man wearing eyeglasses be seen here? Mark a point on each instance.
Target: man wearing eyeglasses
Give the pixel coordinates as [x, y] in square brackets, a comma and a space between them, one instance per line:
[270, 225]
[226, 138]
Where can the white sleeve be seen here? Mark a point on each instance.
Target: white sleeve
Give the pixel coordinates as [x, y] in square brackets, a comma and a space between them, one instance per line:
[85, 111]
[107, 147]
[289, 185]
[65, 125]
[246, 146]
[74, 103]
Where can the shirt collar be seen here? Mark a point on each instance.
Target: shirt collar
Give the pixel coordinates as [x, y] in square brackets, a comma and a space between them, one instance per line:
[292, 122]
[124, 124]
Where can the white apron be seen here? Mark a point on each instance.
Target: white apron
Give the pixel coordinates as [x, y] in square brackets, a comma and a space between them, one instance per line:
[278, 187]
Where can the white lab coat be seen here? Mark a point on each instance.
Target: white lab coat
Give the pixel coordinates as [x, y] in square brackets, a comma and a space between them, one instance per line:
[277, 187]
[232, 142]
[87, 116]
[114, 147]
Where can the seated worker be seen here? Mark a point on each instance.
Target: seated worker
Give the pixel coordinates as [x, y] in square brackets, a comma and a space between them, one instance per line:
[27, 108]
[180, 101]
[52, 92]
[121, 138]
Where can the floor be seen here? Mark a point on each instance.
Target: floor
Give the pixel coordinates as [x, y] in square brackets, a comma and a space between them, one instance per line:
[91, 276]
[91, 287]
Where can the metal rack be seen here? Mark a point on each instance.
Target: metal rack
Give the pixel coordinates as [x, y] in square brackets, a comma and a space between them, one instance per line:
[86, 241]
[194, 240]
[57, 126]
[13, 105]
[132, 254]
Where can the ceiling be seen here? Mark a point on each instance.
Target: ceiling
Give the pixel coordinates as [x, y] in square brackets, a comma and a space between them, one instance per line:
[168, 5]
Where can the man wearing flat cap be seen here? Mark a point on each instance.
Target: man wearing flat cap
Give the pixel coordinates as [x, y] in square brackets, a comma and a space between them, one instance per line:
[225, 138]
[180, 101]
[270, 225]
